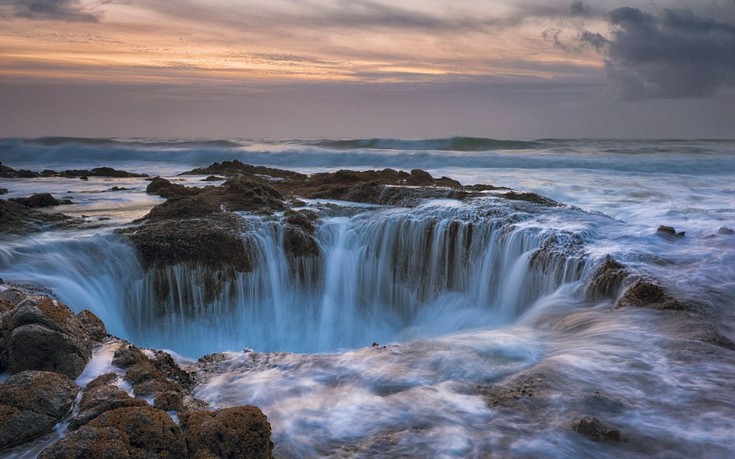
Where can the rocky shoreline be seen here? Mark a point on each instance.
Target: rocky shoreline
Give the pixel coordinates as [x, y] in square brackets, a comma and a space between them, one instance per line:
[144, 406]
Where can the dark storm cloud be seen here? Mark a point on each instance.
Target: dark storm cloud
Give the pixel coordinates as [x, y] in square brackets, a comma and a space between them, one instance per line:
[66, 10]
[674, 54]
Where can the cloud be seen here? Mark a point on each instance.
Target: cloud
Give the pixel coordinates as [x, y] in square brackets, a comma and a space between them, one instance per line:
[674, 54]
[66, 10]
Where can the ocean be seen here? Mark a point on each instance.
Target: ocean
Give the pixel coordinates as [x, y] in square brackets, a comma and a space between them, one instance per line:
[404, 337]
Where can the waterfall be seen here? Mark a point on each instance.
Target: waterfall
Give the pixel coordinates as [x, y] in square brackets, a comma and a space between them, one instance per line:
[382, 275]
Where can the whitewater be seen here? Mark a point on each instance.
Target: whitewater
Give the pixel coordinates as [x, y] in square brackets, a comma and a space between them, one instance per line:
[405, 337]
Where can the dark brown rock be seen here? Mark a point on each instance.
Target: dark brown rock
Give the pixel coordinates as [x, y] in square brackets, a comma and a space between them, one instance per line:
[43, 334]
[147, 380]
[213, 178]
[128, 355]
[164, 188]
[38, 200]
[642, 293]
[235, 167]
[92, 325]
[102, 380]
[228, 433]
[100, 172]
[607, 279]
[31, 403]
[596, 431]
[131, 432]
[169, 401]
[669, 232]
[100, 398]
[420, 178]
[3, 191]
[166, 364]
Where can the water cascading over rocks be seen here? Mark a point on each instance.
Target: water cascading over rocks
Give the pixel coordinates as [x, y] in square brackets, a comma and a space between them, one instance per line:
[322, 276]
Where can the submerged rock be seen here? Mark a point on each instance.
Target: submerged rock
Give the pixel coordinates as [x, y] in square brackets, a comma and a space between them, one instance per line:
[596, 431]
[31, 403]
[242, 431]
[669, 232]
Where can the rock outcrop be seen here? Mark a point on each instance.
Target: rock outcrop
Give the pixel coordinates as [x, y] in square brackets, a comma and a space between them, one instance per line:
[19, 219]
[40, 333]
[137, 431]
[236, 432]
[39, 200]
[31, 403]
[597, 431]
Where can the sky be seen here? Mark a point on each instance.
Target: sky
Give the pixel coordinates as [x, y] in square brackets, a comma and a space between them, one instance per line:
[371, 68]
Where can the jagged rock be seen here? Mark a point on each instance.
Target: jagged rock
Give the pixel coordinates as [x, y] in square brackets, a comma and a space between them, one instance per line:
[131, 432]
[596, 431]
[642, 293]
[164, 188]
[19, 219]
[166, 364]
[100, 398]
[530, 197]
[228, 433]
[31, 403]
[128, 355]
[669, 232]
[299, 229]
[235, 167]
[42, 334]
[607, 279]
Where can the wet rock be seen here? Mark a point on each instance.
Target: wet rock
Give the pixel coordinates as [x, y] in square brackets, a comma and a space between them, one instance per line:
[642, 293]
[669, 232]
[131, 432]
[607, 279]
[100, 398]
[420, 178]
[164, 188]
[43, 334]
[102, 380]
[726, 231]
[19, 219]
[213, 178]
[147, 380]
[299, 240]
[235, 167]
[530, 197]
[38, 200]
[3, 191]
[92, 325]
[509, 394]
[214, 243]
[118, 188]
[100, 172]
[244, 194]
[128, 355]
[9, 172]
[169, 401]
[596, 431]
[166, 364]
[228, 433]
[31, 403]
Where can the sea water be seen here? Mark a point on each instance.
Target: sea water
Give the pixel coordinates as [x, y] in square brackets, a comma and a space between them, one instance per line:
[453, 311]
